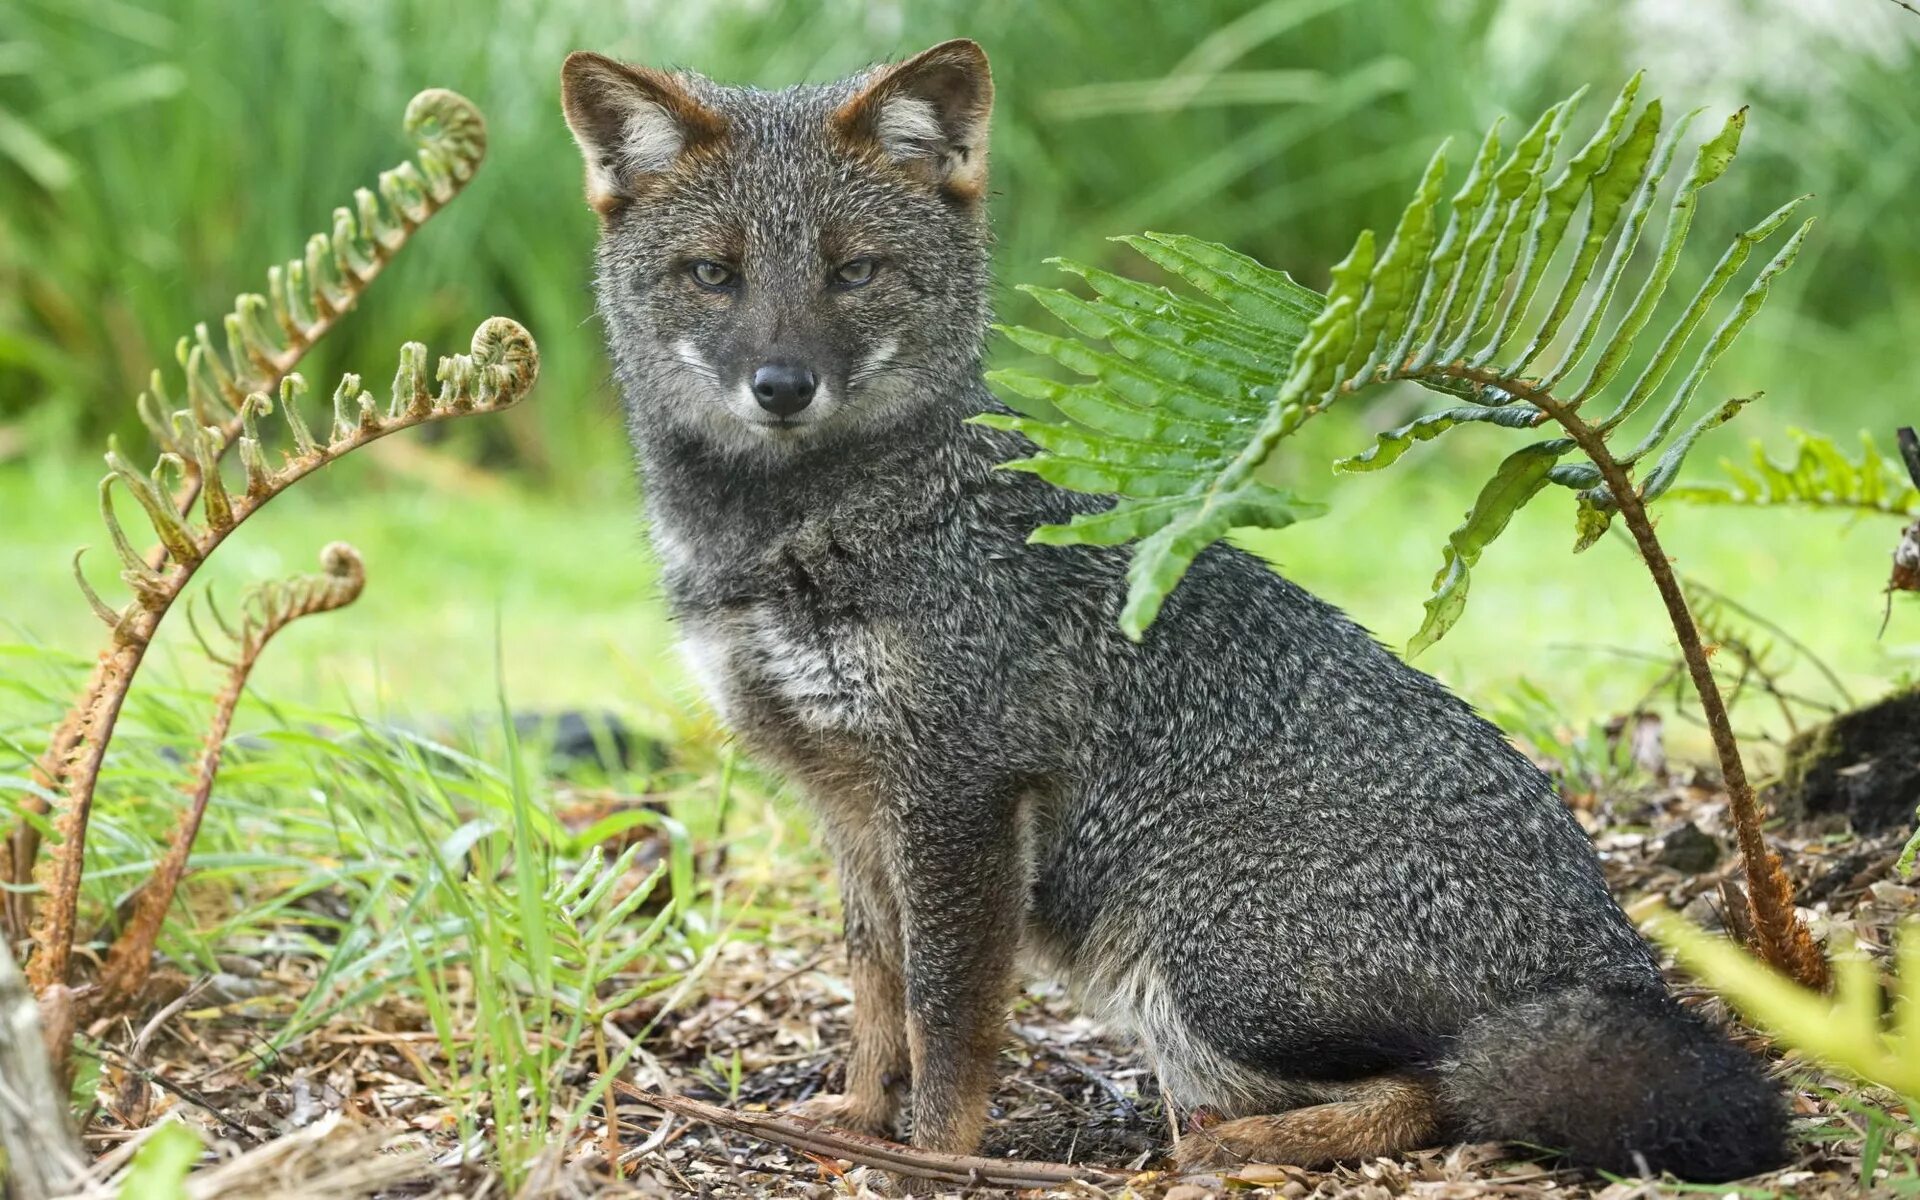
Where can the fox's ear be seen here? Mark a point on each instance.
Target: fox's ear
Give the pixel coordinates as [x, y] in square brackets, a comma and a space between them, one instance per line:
[929, 113]
[631, 123]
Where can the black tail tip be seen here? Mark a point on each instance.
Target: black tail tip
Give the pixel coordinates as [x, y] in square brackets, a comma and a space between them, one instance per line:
[1628, 1083]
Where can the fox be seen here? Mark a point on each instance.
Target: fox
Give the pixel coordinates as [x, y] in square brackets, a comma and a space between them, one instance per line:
[1343, 916]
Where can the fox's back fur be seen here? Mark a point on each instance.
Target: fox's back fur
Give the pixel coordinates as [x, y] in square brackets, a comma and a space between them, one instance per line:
[1293, 865]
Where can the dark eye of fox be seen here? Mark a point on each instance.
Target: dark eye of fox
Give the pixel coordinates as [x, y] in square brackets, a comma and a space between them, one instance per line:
[711, 275]
[856, 273]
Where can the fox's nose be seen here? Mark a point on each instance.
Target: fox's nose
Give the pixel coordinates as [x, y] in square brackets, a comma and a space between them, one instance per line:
[783, 389]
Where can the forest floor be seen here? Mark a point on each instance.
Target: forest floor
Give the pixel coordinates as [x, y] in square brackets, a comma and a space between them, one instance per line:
[347, 1111]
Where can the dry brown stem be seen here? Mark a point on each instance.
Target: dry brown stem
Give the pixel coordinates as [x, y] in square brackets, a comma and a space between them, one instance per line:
[812, 1137]
[267, 336]
[269, 610]
[497, 373]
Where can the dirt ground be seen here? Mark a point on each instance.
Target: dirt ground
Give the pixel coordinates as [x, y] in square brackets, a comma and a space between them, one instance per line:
[346, 1114]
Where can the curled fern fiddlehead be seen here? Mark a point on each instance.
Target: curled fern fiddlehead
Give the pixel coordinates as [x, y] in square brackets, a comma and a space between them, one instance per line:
[265, 336]
[496, 374]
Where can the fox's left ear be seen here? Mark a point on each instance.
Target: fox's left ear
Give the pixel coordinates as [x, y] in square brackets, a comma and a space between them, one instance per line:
[929, 114]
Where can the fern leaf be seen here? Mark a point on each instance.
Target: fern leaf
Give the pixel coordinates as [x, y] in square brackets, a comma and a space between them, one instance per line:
[1517, 479]
[1390, 445]
[1820, 476]
[1191, 394]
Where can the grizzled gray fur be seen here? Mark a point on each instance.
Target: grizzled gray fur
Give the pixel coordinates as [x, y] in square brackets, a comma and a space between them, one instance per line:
[1337, 907]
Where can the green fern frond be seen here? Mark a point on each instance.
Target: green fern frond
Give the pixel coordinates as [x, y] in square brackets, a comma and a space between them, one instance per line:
[1182, 409]
[1819, 476]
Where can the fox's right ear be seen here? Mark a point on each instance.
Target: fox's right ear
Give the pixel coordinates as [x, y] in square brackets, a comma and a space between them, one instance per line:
[631, 123]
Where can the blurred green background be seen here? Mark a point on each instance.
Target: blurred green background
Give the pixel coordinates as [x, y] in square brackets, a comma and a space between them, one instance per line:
[156, 155]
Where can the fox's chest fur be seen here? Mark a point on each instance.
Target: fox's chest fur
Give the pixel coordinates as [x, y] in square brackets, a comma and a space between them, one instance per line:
[790, 662]
[761, 665]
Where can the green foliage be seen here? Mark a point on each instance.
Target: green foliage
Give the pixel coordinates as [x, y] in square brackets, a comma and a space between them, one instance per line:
[1847, 1030]
[160, 1166]
[1581, 756]
[1186, 410]
[1819, 476]
[401, 869]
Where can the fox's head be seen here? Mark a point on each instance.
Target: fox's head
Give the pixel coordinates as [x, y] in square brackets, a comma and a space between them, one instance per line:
[788, 268]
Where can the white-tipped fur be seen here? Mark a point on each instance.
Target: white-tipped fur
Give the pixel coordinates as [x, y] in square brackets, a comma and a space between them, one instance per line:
[686, 352]
[909, 127]
[881, 354]
[651, 139]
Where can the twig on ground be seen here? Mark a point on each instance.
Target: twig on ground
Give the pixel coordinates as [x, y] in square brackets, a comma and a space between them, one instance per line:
[812, 1137]
[193, 1096]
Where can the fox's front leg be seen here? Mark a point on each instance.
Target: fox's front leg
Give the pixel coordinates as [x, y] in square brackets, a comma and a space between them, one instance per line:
[877, 1064]
[962, 896]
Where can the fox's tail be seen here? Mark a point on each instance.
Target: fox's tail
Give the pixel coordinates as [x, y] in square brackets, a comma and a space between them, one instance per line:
[1624, 1081]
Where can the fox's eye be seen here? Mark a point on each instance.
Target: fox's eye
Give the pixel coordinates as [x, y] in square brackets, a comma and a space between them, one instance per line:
[854, 272]
[710, 274]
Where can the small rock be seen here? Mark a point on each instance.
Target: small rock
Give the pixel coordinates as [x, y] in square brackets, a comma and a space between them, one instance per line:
[1188, 1191]
[1689, 850]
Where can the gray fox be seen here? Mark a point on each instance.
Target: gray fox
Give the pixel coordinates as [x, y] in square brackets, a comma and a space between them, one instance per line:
[1334, 904]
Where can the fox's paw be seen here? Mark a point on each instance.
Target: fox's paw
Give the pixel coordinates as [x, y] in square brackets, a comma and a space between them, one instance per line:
[856, 1114]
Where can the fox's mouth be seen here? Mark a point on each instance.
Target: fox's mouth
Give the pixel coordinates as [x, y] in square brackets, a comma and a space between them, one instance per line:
[769, 426]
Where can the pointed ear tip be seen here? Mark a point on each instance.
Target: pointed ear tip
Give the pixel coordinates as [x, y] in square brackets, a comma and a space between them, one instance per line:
[961, 47]
[964, 53]
[582, 61]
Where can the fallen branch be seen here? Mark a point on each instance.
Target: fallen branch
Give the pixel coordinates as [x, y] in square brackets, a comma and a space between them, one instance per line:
[813, 1137]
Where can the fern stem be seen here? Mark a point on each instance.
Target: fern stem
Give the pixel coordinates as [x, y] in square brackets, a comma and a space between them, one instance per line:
[278, 605]
[1779, 935]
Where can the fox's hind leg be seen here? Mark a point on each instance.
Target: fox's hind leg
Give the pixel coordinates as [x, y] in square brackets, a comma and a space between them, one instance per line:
[1384, 1115]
